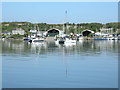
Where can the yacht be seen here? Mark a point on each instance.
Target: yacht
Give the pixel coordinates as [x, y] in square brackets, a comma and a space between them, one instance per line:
[60, 41]
[38, 39]
[69, 40]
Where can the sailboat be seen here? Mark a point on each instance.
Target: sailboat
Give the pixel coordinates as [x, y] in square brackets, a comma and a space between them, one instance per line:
[37, 38]
[66, 39]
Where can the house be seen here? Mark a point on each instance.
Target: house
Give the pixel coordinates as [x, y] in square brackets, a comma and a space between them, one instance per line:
[6, 24]
[108, 30]
[5, 33]
[18, 31]
[33, 31]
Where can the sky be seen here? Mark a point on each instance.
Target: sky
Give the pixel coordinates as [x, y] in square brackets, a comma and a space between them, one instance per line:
[54, 12]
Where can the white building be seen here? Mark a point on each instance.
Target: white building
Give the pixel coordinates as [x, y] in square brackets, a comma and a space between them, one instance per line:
[6, 33]
[18, 31]
[108, 30]
[33, 31]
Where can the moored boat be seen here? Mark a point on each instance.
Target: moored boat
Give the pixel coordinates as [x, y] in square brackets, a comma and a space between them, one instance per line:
[100, 39]
[69, 40]
[37, 40]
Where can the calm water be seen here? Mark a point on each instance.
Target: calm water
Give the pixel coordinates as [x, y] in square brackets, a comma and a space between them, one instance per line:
[88, 64]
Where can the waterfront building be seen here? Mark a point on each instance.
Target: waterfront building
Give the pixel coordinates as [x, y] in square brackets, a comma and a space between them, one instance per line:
[86, 32]
[106, 30]
[54, 32]
[18, 31]
[33, 31]
[5, 33]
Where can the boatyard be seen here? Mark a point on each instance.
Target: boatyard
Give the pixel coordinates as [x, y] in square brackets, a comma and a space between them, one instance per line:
[59, 45]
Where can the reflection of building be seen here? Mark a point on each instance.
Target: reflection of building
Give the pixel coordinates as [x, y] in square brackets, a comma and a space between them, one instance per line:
[18, 31]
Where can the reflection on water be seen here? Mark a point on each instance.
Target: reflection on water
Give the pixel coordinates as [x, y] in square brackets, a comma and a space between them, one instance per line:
[91, 47]
[85, 64]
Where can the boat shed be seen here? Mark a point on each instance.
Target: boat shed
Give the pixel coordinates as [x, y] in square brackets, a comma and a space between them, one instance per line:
[54, 32]
[86, 32]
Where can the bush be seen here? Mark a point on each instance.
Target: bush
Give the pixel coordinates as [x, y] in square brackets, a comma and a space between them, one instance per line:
[91, 35]
[17, 36]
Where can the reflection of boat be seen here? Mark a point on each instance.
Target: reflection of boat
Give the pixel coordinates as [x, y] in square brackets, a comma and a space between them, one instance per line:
[100, 39]
[37, 40]
[38, 45]
[113, 38]
[65, 41]
[70, 44]
[80, 38]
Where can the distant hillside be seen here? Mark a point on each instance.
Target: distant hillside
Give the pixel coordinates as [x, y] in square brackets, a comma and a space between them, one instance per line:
[68, 27]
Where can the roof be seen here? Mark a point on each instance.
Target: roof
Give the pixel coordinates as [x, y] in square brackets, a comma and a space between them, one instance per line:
[88, 30]
[55, 29]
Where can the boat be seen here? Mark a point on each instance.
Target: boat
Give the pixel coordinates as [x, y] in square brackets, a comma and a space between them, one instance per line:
[115, 38]
[65, 41]
[100, 39]
[60, 41]
[37, 40]
[69, 40]
[26, 39]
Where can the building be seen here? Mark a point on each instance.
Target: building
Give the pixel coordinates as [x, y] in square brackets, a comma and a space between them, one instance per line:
[6, 24]
[86, 32]
[54, 32]
[106, 30]
[33, 31]
[18, 31]
[5, 33]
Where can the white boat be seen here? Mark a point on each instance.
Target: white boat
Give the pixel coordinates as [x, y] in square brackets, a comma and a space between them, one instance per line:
[67, 40]
[37, 40]
[60, 41]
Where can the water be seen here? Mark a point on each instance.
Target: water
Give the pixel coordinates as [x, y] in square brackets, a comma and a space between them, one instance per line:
[88, 64]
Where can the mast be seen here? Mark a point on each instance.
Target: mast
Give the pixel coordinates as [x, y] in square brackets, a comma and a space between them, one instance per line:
[66, 21]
